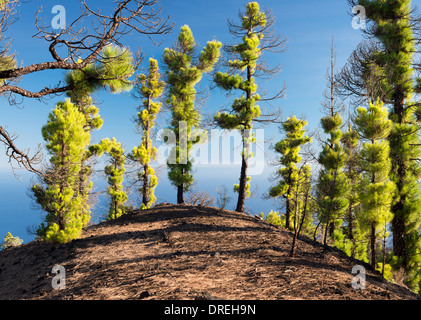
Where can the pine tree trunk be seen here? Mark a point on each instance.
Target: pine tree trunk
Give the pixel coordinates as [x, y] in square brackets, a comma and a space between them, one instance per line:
[373, 246]
[288, 213]
[350, 222]
[398, 228]
[351, 228]
[294, 241]
[243, 183]
[145, 186]
[115, 189]
[330, 210]
[146, 165]
[398, 223]
[304, 212]
[244, 163]
[294, 244]
[180, 191]
[384, 249]
[180, 194]
[288, 204]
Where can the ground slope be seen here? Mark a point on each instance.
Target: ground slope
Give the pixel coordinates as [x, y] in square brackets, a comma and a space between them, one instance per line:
[186, 252]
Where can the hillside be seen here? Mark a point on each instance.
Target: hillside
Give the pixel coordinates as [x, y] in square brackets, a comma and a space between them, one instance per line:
[185, 253]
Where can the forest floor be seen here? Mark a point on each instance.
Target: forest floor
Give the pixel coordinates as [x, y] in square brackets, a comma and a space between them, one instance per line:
[187, 253]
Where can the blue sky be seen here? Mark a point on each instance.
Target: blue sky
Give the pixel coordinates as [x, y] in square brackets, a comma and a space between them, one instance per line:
[309, 26]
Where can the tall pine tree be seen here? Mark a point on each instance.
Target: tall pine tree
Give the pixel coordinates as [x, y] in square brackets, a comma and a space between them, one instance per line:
[256, 34]
[115, 172]
[392, 29]
[333, 184]
[289, 148]
[151, 87]
[112, 73]
[350, 238]
[67, 140]
[185, 69]
[377, 190]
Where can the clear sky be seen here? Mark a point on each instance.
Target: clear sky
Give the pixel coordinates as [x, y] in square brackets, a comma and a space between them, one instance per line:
[308, 25]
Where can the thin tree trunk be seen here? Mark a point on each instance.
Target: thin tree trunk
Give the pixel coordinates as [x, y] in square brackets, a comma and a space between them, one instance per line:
[294, 242]
[244, 163]
[373, 246]
[351, 228]
[146, 165]
[145, 186]
[315, 230]
[242, 189]
[288, 203]
[384, 248]
[180, 194]
[180, 191]
[330, 210]
[304, 212]
[115, 189]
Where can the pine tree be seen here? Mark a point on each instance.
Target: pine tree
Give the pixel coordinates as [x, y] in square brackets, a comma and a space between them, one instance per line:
[333, 184]
[392, 29]
[350, 238]
[151, 87]
[255, 31]
[111, 72]
[115, 172]
[289, 148]
[301, 195]
[10, 241]
[305, 203]
[67, 141]
[377, 190]
[184, 71]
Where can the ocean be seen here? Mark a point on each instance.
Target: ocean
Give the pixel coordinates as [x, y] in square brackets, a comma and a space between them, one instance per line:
[17, 213]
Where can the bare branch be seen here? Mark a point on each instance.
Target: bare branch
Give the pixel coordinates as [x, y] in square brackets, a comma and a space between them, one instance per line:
[19, 157]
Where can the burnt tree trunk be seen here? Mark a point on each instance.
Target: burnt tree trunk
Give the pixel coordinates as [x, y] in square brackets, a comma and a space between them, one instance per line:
[242, 189]
[399, 167]
[245, 155]
[373, 240]
[145, 185]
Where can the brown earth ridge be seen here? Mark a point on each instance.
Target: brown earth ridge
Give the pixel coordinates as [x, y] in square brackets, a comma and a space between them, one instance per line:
[182, 252]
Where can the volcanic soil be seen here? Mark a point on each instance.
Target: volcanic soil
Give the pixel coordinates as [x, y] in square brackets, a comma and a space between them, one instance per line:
[182, 252]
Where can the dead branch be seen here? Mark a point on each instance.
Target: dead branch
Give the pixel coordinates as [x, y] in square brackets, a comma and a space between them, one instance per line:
[19, 157]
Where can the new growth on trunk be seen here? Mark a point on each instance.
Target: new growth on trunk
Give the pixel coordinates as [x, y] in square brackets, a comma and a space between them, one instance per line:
[150, 88]
[184, 70]
[257, 36]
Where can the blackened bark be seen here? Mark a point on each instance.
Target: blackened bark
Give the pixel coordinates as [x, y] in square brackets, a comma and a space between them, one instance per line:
[145, 185]
[243, 183]
[398, 166]
[245, 155]
[180, 194]
[288, 204]
[373, 239]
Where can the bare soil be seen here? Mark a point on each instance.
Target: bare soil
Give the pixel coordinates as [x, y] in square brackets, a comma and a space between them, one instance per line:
[187, 253]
